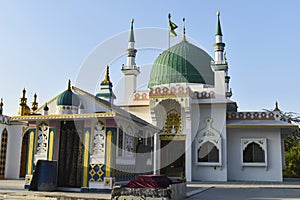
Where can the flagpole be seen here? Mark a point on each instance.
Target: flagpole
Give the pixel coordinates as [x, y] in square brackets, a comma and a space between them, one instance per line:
[169, 44]
[172, 33]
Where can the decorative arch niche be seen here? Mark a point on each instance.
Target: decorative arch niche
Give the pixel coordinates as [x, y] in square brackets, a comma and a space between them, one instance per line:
[208, 145]
[173, 122]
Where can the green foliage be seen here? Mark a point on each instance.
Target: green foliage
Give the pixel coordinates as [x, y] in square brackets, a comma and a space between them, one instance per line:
[292, 155]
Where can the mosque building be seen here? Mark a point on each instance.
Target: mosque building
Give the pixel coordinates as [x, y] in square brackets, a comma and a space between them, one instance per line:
[186, 122]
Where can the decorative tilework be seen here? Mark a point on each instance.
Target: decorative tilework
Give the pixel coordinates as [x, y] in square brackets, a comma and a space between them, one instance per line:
[3, 153]
[96, 172]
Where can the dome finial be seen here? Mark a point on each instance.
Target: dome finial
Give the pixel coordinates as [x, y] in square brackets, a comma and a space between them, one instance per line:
[183, 31]
[69, 84]
[24, 92]
[276, 106]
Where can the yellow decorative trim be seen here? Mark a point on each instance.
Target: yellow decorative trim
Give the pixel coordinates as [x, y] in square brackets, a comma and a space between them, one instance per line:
[51, 145]
[86, 159]
[108, 153]
[30, 152]
[64, 116]
[262, 126]
[172, 137]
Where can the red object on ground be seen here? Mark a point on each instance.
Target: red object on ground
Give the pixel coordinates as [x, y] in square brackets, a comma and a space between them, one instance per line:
[150, 181]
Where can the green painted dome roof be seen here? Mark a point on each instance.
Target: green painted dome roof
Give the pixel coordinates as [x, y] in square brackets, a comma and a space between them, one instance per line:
[182, 63]
[67, 98]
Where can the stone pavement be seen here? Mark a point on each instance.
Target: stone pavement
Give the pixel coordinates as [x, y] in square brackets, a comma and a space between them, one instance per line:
[14, 189]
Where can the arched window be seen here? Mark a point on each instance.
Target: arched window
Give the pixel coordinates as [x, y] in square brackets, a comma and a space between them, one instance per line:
[99, 139]
[208, 152]
[253, 153]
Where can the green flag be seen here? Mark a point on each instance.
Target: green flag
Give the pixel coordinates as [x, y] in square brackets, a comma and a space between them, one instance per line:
[173, 26]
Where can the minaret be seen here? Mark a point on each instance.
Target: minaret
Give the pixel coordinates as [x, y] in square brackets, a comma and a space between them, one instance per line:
[130, 71]
[219, 65]
[106, 91]
[23, 108]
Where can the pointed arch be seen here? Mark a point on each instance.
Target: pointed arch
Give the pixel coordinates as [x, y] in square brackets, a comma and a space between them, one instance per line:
[208, 152]
[253, 153]
[129, 142]
[24, 154]
[4, 138]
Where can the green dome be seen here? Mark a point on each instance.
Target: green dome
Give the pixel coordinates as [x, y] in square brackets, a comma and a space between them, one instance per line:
[67, 98]
[183, 63]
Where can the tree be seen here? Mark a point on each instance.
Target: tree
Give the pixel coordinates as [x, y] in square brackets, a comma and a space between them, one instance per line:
[291, 144]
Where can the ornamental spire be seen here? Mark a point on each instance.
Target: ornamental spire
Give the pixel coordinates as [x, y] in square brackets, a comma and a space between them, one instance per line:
[131, 36]
[1, 106]
[183, 31]
[106, 79]
[219, 31]
[34, 106]
[276, 107]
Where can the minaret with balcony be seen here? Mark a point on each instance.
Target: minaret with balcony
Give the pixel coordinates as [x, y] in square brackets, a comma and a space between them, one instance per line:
[130, 70]
[219, 65]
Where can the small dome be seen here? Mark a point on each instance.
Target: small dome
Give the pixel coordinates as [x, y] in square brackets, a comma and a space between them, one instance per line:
[46, 108]
[182, 63]
[67, 98]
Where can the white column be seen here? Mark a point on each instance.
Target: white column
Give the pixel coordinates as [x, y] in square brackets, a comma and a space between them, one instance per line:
[188, 145]
[156, 164]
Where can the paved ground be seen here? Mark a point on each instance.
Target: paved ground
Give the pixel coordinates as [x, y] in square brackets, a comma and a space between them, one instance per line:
[14, 189]
[288, 190]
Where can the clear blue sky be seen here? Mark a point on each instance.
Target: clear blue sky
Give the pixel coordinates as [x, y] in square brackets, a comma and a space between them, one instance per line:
[45, 43]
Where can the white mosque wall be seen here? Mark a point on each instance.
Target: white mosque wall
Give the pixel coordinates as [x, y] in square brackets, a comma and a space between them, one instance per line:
[13, 156]
[207, 171]
[273, 169]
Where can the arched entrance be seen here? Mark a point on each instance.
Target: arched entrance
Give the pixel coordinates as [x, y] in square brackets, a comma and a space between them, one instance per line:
[172, 140]
[70, 154]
